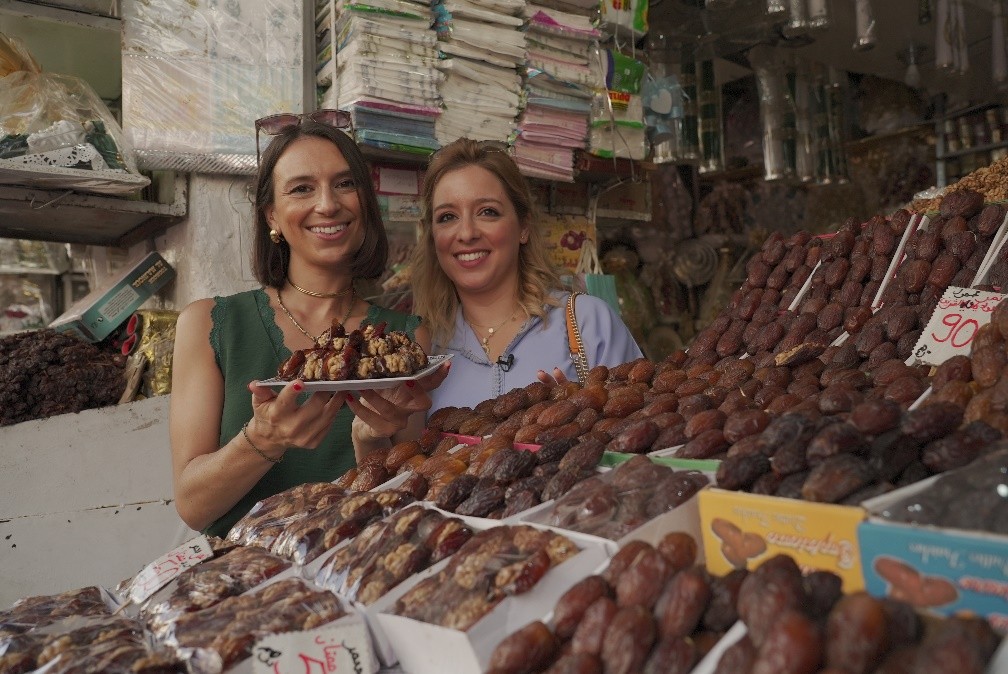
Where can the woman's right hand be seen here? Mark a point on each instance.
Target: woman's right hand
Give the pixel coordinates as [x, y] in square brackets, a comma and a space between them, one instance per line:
[279, 422]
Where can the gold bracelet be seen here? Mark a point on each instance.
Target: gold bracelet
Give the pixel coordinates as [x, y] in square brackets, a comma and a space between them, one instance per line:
[256, 449]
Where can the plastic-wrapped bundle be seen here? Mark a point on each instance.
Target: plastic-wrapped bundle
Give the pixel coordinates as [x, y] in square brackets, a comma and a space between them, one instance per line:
[196, 75]
[483, 45]
[50, 121]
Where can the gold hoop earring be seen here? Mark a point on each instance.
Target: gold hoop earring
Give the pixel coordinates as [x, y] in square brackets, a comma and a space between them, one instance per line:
[275, 236]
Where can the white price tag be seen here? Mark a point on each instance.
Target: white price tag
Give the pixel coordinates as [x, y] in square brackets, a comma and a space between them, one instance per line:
[954, 323]
[168, 566]
[341, 646]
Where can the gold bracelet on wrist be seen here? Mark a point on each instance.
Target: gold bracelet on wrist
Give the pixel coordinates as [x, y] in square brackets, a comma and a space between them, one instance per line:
[256, 449]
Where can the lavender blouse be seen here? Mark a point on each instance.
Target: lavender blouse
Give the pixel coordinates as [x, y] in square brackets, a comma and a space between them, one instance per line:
[538, 346]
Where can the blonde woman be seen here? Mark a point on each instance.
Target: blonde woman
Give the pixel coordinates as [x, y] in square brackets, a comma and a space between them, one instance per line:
[485, 287]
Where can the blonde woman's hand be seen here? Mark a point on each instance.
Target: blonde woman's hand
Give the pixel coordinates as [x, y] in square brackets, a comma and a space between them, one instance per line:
[552, 379]
[386, 412]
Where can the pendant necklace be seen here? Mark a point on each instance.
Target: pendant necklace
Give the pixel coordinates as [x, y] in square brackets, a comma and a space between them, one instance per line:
[300, 327]
[491, 331]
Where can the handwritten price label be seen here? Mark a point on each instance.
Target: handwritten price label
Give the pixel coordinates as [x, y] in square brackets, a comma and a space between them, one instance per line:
[954, 323]
[342, 646]
[162, 570]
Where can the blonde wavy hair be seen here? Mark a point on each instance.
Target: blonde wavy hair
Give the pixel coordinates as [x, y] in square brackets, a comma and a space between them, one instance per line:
[434, 295]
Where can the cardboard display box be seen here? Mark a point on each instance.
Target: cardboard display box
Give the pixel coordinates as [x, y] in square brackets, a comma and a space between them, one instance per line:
[743, 530]
[424, 648]
[941, 570]
[98, 314]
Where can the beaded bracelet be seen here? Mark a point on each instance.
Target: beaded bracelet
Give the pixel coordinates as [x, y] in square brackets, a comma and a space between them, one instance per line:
[256, 449]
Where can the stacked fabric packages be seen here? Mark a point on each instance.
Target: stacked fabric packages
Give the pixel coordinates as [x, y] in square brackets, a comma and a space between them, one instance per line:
[481, 45]
[562, 70]
[384, 70]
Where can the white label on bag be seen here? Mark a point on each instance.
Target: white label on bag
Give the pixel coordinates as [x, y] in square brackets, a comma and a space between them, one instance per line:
[168, 566]
[342, 647]
[954, 324]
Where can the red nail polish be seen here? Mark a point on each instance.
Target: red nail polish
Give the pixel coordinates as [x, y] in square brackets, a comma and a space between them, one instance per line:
[297, 386]
[410, 384]
[349, 398]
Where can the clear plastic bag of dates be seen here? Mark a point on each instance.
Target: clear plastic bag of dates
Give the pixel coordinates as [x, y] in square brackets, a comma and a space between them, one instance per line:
[387, 552]
[613, 504]
[92, 643]
[41, 610]
[490, 566]
[973, 497]
[209, 583]
[304, 540]
[269, 517]
[225, 633]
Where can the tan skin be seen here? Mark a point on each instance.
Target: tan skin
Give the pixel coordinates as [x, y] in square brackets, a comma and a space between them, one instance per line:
[317, 211]
[477, 235]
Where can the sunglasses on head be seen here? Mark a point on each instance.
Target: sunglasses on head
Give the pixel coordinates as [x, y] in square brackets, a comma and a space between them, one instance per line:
[482, 145]
[278, 123]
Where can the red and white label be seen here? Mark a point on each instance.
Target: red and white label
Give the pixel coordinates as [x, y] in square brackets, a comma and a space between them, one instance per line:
[954, 323]
[342, 646]
[168, 566]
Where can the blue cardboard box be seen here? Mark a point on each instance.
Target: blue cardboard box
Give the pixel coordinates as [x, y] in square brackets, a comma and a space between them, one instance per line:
[103, 310]
[944, 571]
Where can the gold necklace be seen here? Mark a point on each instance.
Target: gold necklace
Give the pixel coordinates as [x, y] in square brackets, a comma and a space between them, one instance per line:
[300, 327]
[491, 331]
[341, 293]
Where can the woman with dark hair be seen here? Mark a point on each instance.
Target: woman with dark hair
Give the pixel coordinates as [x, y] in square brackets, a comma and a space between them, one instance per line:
[484, 284]
[317, 229]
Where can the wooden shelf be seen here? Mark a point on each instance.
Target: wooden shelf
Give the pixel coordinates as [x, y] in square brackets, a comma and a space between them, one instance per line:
[72, 217]
[40, 271]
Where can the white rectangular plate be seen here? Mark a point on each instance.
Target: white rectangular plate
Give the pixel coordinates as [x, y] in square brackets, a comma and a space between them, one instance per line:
[362, 384]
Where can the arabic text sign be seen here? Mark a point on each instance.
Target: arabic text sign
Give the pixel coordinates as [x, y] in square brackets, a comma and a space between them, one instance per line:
[158, 573]
[341, 647]
[954, 323]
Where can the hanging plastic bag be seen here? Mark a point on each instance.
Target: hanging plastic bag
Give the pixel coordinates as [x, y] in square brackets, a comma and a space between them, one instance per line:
[53, 120]
[620, 18]
[589, 278]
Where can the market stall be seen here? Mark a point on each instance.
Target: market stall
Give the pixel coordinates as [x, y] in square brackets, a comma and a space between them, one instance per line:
[798, 471]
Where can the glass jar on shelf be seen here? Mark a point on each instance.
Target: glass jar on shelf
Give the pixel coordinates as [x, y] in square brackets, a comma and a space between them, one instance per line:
[993, 126]
[965, 133]
[951, 133]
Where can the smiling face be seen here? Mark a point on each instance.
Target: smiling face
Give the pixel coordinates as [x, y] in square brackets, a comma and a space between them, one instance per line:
[477, 233]
[315, 204]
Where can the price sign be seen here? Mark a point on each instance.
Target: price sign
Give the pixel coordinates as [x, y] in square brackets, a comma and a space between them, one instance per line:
[340, 647]
[954, 323]
[158, 573]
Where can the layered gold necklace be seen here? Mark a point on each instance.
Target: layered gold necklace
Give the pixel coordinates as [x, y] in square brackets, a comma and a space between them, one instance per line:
[300, 327]
[491, 331]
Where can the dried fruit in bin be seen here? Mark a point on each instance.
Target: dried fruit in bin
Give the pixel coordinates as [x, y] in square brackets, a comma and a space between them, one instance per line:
[307, 538]
[387, 552]
[267, 518]
[487, 568]
[232, 627]
[41, 610]
[112, 644]
[967, 498]
[209, 583]
[630, 495]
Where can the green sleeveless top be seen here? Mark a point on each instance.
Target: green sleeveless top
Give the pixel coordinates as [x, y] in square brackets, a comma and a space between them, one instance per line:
[248, 345]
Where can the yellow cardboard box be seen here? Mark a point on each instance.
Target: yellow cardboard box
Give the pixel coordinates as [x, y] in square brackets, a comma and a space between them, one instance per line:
[742, 530]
